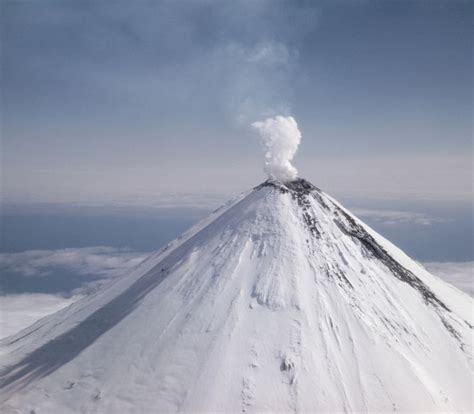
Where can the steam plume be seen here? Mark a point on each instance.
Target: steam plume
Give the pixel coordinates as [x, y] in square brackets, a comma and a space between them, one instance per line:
[280, 138]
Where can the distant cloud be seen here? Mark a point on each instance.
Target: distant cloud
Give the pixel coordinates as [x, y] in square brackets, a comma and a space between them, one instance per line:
[106, 262]
[392, 217]
[64, 272]
[100, 261]
[459, 274]
[23, 308]
[36, 283]
[20, 311]
[265, 53]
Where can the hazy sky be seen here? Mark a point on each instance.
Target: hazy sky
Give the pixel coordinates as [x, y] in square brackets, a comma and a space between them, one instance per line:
[120, 100]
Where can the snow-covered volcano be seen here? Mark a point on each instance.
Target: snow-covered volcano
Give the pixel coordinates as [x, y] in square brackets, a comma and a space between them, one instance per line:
[279, 301]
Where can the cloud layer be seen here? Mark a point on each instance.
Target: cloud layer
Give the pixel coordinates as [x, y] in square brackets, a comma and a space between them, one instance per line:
[64, 271]
[21, 309]
[459, 274]
[65, 274]
[394, 217]
[100, 260]
[108, 262]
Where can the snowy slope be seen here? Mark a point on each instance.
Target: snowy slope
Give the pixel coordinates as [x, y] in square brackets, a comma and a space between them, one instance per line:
[280, 301]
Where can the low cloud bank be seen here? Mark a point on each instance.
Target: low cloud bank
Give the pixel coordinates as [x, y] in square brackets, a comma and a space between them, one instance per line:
[37, 283]
[35, 268]
[64, 271]
[100, 260]
[459, 274]
[101, 263]
[20, 311]
[393, 217]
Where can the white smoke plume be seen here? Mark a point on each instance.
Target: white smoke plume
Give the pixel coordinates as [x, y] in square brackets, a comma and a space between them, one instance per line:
[280, 138]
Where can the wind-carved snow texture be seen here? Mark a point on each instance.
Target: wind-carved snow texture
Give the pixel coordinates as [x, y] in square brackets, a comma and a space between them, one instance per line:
[279, 301]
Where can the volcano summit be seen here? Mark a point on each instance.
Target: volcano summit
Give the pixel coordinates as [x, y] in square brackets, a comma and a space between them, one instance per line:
[281, 300]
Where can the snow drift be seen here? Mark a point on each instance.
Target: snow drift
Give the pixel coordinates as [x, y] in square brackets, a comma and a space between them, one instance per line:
[279, 301]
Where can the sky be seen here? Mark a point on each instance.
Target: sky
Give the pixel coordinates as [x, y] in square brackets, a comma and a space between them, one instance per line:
[151, 101]
[123, 123]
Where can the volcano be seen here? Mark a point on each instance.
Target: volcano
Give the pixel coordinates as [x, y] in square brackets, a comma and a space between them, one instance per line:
[281, 300]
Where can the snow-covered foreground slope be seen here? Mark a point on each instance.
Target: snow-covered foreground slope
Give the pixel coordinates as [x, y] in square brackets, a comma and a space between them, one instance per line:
[279, 301]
